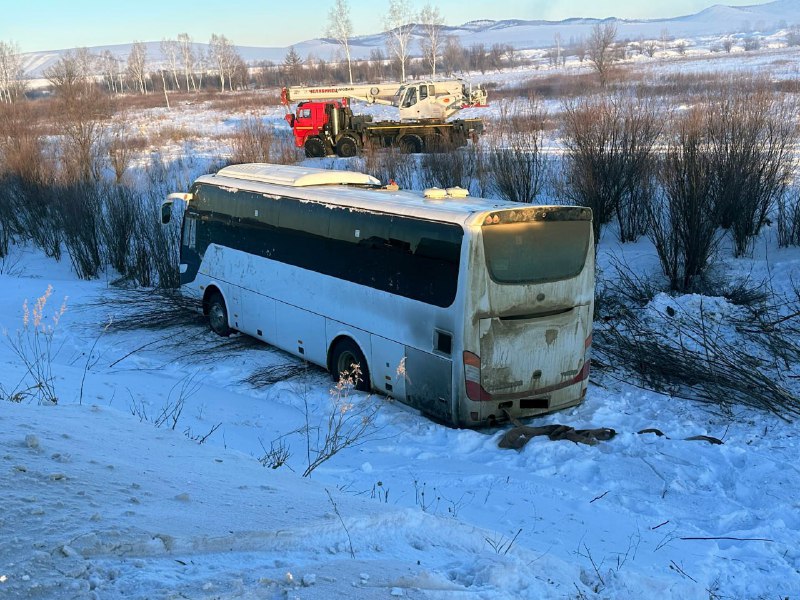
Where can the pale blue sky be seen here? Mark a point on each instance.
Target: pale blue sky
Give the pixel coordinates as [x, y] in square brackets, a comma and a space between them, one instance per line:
[56, 24]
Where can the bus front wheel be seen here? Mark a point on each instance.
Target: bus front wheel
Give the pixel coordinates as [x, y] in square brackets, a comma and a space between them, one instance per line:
[345, 354]
[218, 315]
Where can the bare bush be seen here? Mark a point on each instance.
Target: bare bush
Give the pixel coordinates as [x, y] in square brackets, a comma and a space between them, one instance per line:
[36, 206]
[610, 159]
[690, 357]
[789, 220]
[349, 422]
[121, 149]
[600, 48]
[25, 170]
[390, 164]
[517, 163]
[80, 111]
[752, 134]
[456, 167]
[79, 216]
[266, 376]
[119, 226]
[252, 141]
[682, 226]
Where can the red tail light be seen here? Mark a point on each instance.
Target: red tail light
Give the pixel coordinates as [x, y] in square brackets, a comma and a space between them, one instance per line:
[472, 378]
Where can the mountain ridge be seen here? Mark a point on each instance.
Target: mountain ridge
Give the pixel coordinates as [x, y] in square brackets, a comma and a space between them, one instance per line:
[719, 19]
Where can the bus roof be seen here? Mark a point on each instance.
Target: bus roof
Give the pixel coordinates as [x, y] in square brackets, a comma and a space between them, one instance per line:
[345, 188]
[295, 176]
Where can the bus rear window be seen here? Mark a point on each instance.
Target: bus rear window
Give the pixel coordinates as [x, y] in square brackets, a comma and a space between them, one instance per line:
[536, 251]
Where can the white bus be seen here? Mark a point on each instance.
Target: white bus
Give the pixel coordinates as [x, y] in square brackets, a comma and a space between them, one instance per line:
[487, 305]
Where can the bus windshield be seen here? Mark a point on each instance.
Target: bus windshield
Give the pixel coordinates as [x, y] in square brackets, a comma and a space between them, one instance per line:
[552, 250]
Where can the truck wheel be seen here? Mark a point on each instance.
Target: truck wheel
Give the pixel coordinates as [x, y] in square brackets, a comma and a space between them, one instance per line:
[346, 147]
[411, 144]
[314, 148]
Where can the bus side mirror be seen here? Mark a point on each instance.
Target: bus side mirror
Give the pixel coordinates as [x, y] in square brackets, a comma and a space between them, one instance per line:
[166, 211]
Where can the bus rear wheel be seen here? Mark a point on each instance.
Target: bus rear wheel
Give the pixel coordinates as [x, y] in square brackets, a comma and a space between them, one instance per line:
[314, 148]
[218, 315]
[344, 355]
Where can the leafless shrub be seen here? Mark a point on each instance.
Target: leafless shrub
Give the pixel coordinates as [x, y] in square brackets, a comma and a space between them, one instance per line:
[150, 309]
[752, 135]
[35, 204]
[81, 111]
[682, 227]
[789, 220]
[752, 43]
[119, 225]
[272, 374]
[283, 150]
[79, 213]
[349, 422]
[26, 174]
[610, 159]
[773, 323]
[121, 149]
[547, 86]
[277, 455]
[444, 169]
[628, 286]
[252, 141]
[689, 357]
[600, 48]
[390, 164]
[516, 161]
[172, 134]
[169, 414]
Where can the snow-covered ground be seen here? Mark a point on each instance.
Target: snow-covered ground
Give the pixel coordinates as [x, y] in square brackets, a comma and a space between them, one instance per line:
[99, 503]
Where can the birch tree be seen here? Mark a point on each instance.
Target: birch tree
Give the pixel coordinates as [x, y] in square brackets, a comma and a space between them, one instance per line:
[340, 28]
[170, 50]
[12, 85]
[398, 26]
[225, 58]
[137, 66]
[431, 43]
[187, 59]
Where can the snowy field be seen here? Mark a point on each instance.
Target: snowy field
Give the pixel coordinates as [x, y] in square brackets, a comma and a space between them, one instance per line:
[98, 502]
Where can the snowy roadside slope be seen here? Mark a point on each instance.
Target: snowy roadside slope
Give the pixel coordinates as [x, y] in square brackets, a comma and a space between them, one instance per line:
[112, 491]
[98, 505]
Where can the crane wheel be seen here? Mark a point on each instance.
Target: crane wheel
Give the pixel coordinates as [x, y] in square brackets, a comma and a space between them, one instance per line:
[411, 144]
[346, 147]
[314, 148]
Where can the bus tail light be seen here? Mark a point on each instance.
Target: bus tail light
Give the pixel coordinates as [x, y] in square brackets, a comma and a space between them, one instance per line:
[472, 378]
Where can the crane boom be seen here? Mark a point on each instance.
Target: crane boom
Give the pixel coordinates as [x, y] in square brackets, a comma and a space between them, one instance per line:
[417, 100]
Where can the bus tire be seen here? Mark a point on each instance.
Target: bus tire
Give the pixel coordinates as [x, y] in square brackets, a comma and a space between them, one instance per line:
[218, 315]
[314, 148]
[344, 354]
[346, 147]
[411, 144]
